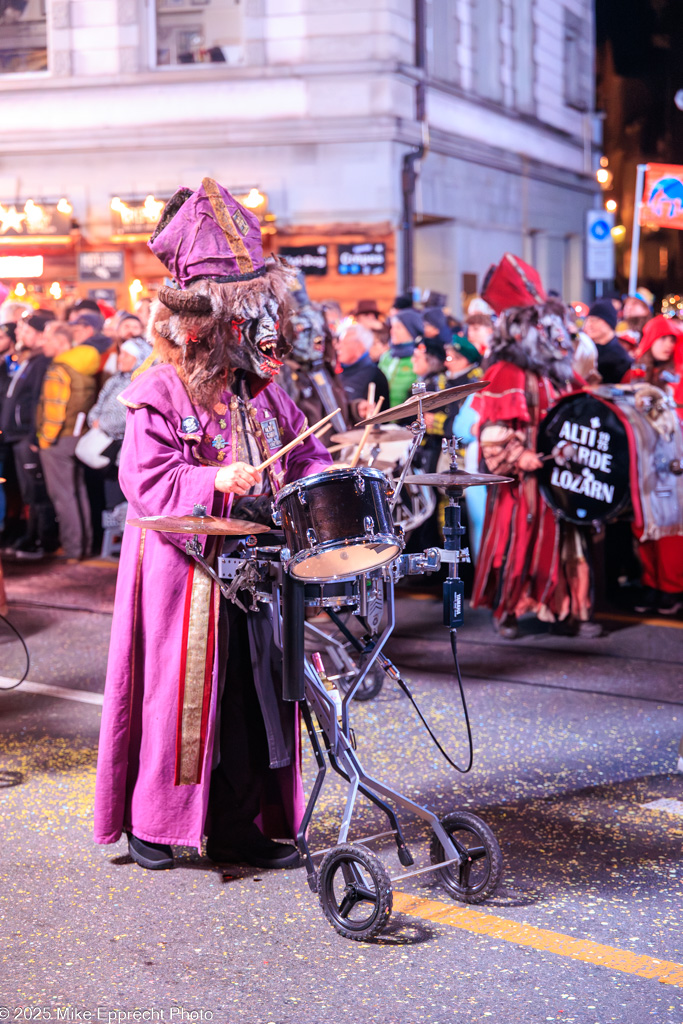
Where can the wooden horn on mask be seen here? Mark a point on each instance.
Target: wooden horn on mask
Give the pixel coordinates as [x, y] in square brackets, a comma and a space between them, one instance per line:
[180, 300]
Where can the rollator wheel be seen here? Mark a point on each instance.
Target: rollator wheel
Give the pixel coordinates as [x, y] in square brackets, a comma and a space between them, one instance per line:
[355, 891]
[371, 685]
[478, 876]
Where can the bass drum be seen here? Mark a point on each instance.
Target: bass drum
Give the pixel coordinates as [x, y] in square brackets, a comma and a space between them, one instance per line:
[586, 472]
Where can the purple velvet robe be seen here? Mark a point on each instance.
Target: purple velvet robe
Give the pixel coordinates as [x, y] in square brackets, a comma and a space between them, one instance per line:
[136, 788]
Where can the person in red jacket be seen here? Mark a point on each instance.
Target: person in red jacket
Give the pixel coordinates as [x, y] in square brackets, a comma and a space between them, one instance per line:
[659, 361]
[529, 367]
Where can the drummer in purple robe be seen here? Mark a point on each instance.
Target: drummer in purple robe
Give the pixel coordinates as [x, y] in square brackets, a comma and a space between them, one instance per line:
[196, 741]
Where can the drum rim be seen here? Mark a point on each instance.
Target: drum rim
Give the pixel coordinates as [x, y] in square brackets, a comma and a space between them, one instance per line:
[360, 541]
[327, 476]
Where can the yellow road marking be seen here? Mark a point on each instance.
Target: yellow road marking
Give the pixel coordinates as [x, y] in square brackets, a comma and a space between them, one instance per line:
[666, 971]
[641, 620]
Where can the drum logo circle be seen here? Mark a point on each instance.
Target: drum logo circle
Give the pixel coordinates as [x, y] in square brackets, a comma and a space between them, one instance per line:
[585, 472]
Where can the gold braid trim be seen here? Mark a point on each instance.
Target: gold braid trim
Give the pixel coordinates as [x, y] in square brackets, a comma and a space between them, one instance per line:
[225, 222]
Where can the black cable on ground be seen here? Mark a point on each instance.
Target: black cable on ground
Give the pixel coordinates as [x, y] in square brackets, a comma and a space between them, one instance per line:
[404, 686]
[397, 677]
[28, 657]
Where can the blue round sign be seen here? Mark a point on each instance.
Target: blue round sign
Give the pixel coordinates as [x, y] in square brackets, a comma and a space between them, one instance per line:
[600, 229]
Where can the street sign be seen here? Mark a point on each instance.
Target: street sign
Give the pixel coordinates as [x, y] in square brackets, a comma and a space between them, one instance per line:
[101, 266]
[662, 199]
[310, 259]
[362, 258]
[599, 246]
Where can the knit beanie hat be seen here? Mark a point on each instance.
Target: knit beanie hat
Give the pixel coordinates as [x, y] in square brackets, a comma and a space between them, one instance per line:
[138, 347]
[604, 310]
[411, 320]
[437, 318]
[434, 347]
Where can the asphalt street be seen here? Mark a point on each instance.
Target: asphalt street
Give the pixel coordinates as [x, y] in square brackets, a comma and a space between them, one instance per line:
[574, 771]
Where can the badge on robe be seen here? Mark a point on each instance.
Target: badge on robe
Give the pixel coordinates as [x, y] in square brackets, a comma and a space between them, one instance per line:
[271, 432]
[189, 425]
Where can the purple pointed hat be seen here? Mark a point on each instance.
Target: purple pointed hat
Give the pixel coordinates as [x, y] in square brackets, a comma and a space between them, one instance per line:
[208, 234]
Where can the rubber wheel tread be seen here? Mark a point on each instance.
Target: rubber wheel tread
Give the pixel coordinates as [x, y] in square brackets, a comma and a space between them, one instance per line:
[464, 821]
[348, 854]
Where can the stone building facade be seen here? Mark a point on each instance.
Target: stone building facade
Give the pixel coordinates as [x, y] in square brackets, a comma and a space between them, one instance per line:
[311, 105]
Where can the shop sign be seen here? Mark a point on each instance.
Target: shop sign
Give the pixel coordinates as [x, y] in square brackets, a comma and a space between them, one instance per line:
[130, 217]
[309, 259]
[100, 266]
[107, 295]
[362, 258]
[662, 202]
[21, 266]
[34, 219]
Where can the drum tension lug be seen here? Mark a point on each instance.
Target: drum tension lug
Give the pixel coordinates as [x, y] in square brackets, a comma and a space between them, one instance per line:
[311, 536]
[368, 525]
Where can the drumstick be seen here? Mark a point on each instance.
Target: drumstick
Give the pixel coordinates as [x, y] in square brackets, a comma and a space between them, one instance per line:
[323, 430]
[366, 431]
[297, 440]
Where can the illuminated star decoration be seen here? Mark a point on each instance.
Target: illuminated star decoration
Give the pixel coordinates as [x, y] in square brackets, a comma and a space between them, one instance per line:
[10, 220]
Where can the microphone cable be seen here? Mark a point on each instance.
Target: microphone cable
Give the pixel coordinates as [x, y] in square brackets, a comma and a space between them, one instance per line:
[394, 674]
[16, 632]
[404, 686]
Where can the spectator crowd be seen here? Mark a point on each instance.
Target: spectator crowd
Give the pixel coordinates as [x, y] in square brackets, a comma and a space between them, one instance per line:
[62, 425]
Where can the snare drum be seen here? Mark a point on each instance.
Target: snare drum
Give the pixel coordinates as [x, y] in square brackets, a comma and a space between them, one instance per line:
[337, 524]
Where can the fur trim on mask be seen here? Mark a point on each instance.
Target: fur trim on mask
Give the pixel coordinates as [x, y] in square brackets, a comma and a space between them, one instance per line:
[197, 328]
[534, 338]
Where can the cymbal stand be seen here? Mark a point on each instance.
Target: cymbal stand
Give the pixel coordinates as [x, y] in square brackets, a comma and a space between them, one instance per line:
[242, 581]
[418, 428]
[453, 553]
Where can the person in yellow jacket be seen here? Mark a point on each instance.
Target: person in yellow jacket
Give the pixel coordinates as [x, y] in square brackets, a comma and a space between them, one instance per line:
[68, 392]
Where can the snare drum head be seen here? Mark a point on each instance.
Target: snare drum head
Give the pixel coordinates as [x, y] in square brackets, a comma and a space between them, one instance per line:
[339, 562]
[587, 478]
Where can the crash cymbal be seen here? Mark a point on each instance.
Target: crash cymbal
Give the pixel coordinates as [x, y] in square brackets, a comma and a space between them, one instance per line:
[377, 435]
[199, 525]
[457, 479]
[430, 400]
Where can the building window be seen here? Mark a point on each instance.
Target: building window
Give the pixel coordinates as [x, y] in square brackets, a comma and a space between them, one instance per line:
[442, 39]
[524, 70]
[577, 63]
[199, 32]
[487, 70]
[23, 36]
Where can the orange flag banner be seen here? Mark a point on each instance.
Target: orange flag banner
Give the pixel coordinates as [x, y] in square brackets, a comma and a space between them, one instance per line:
[662, 203]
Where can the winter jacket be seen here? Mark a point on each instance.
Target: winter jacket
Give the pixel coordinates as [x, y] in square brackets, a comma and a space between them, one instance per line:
[69, 388]
[18, 412]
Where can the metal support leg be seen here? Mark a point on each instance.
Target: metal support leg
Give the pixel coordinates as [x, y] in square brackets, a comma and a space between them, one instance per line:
[301, 840]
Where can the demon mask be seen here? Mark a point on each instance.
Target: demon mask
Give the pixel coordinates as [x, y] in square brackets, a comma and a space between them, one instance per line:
[231, 308]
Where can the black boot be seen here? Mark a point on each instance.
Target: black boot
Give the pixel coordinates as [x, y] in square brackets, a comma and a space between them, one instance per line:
[154, 856]
[250, 846]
